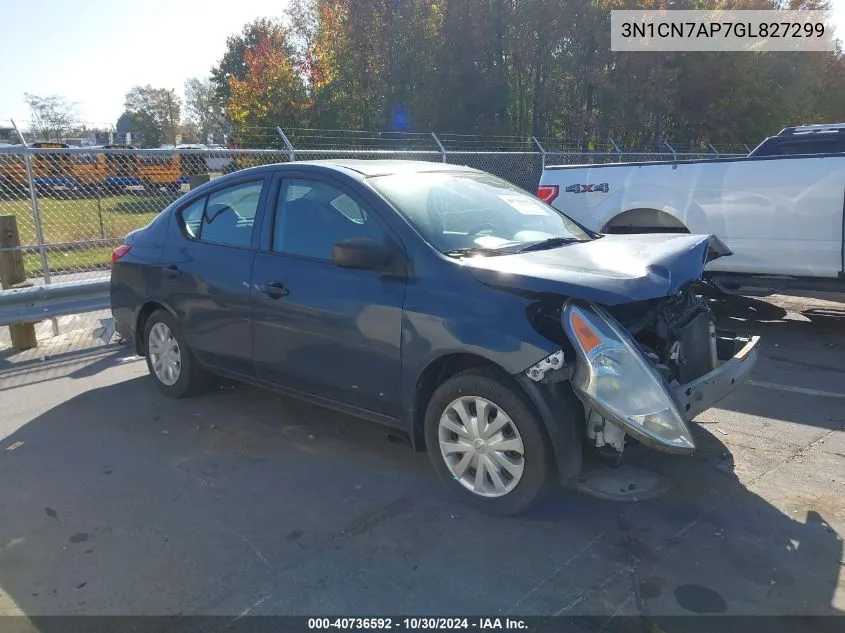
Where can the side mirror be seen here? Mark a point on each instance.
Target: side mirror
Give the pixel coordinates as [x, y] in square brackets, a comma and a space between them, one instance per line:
[361, 252]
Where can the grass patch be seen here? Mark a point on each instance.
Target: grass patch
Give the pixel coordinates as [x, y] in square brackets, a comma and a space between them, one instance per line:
[76, 260]
[80, 219]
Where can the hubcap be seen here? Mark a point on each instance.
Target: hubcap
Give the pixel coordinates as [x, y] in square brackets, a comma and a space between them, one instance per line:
[481, 446]
[165, 355]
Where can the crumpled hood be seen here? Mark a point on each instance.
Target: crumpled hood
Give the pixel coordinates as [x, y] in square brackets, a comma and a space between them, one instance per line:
[610, 270]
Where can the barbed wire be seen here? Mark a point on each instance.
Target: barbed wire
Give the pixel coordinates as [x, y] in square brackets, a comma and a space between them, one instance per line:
[327, 139]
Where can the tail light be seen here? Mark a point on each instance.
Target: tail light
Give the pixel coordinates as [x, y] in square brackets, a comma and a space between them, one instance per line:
[119, 252]
[547, 193]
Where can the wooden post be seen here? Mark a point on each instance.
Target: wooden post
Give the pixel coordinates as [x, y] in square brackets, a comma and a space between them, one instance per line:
[13, 275]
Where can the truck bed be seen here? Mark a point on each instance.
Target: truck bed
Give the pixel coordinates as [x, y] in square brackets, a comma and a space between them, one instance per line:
[780, 215]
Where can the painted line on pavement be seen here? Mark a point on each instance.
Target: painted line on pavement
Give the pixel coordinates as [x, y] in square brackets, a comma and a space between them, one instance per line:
[802, 390]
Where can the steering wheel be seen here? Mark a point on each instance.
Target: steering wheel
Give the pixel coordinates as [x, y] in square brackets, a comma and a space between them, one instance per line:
[485, 226]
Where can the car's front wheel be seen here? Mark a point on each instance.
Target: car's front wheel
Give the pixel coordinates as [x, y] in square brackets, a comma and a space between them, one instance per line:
[487, 444]
[169, 360]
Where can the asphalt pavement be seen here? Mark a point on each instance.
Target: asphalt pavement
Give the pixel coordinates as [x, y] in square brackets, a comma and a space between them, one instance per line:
[116, 500]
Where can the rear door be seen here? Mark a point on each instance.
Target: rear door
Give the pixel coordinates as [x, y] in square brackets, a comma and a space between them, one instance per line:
[207, 273]
[320, 328]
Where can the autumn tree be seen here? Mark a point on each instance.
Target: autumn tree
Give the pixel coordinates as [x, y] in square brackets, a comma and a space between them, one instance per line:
[524, 67]
[270, 94]
[233, 63]
[343, 63]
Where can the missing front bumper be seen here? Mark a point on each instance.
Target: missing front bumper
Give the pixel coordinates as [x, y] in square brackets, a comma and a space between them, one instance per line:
[702, 393]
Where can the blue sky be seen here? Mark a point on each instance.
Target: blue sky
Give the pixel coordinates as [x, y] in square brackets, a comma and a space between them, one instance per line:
[94, 51]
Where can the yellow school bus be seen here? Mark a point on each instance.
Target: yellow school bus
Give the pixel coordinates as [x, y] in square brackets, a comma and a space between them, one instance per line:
[12, 176]
[102, 168]
[193, 163]
[160, 168]
[167, 168]
[50, 172]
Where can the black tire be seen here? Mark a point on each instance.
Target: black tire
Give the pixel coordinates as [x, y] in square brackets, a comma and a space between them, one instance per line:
[193, 379]
[537, 475]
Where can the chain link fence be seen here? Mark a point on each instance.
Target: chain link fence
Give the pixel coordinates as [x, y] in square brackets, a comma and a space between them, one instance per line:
[73, 205]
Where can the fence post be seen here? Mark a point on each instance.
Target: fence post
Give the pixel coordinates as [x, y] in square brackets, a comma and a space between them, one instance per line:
[440, 145]
[616, 147]
[100, 213]
[13, 275]
[36, 217]
[288, 145]
[542, 151]
[671, 149]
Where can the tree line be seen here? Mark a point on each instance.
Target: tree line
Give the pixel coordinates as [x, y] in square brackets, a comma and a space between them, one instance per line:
[489, 67]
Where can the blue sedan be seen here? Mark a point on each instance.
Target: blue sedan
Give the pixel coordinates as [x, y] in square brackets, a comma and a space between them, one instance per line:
[500, 335]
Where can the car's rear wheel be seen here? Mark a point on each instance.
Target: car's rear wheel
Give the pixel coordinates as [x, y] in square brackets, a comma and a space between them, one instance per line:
[169, 360]
[487, 444]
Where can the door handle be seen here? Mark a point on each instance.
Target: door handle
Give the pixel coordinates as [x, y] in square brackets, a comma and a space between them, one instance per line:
[173, 272]
[274, 290]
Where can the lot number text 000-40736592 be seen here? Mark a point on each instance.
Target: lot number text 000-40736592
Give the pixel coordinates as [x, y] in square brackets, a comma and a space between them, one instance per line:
[417, 623]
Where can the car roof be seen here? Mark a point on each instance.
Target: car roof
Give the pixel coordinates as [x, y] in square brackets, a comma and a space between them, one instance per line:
[383, 167]
[357, 168]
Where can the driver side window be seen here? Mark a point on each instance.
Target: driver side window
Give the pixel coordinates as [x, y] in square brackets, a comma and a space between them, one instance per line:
[312, 216]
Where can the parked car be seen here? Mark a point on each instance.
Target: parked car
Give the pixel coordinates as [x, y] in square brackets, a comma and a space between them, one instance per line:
[803, 140]
[436, 299]
[779, 210]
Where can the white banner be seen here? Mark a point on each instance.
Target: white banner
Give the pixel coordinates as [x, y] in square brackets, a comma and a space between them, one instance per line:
[733, 30]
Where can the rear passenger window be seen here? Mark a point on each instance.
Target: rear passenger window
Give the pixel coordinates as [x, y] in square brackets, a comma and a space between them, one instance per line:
[226, 217]
[192, 218]
[230, 215]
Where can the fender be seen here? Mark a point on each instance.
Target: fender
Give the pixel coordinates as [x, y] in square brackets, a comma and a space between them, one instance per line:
[560, 412]
[670, 201]
[427, 341]
[144, 311]
[563, 417]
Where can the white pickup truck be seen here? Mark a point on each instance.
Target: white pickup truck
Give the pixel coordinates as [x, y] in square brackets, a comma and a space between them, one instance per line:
[782, 215]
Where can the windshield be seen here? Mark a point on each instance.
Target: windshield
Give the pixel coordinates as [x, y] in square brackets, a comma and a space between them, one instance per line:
[457, 211]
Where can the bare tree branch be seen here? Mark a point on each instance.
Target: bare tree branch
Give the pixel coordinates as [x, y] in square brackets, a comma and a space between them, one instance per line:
[53, 116]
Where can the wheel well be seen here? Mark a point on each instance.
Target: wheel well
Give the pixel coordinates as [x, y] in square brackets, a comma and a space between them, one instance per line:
[652, 220]
[438, 372]
[143, 314]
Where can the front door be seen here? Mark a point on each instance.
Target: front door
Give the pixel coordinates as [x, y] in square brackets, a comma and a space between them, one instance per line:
[318, 327]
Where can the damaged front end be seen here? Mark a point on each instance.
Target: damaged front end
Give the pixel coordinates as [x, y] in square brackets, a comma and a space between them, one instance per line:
[644, 369]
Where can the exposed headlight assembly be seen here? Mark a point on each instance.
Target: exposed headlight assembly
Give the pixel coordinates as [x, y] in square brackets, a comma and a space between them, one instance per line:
[614, 377]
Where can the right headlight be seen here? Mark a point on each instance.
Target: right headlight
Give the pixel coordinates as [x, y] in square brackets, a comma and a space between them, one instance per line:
[620, 383]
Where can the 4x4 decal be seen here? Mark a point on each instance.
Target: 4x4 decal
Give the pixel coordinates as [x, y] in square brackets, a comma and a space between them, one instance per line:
[603, 187]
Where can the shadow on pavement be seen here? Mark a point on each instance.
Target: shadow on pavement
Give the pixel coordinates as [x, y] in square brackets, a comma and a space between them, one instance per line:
[751, 310]
[120, 501]
[76, 364]
[802, 357]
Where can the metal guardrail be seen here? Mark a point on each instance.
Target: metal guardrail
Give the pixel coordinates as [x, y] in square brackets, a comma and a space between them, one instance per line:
[36, 303]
